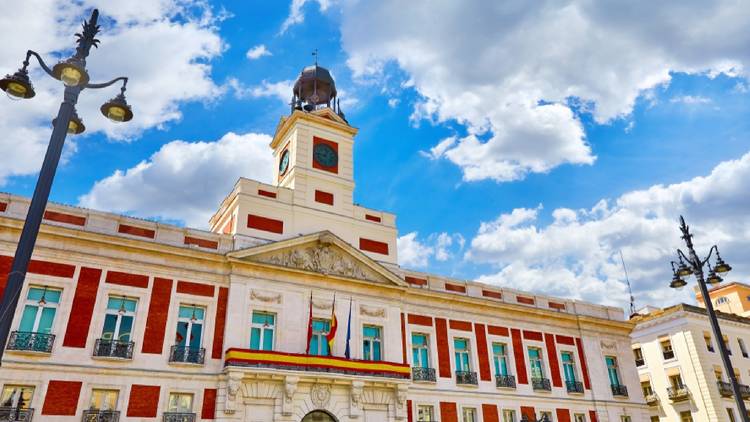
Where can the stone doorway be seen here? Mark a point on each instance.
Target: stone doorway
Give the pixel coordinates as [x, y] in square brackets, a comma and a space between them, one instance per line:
[318, 416]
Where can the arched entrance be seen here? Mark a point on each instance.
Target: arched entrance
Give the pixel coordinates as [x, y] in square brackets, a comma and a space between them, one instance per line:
[318, 416]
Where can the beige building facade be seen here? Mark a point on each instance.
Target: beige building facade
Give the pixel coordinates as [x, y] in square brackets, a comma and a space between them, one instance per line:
[134, 320]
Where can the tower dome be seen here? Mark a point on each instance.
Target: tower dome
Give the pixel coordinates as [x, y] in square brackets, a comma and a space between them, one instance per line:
[315, 86]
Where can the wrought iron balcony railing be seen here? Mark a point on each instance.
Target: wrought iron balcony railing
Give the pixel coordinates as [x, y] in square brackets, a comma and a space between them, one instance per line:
[114, 349]
[651, 399]
[679, 393]
[178, 417]
[725, 389]
[184, 354]
[31, 342]
[668, 354]
[505, 381]
[745, 391]
[619, 390]
[466, 377]
[423, 374]
[574, 386]
[640, 362]
[95, 415]
[541, 384]
[15, 414]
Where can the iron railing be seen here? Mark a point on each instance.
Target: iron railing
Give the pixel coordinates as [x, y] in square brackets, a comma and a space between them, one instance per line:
[678, 393]
[15, 414]
[505, 381]
[541, 384]
[619, 390]
[114, 349]
[745, 391]
[651, 399]
[466, 377]
[178, 417]
[668, 354]
[31, 342]
[95, 415]
[423, 374]
[640, 362]
[184, 354]
[725, 389]
[574, 386]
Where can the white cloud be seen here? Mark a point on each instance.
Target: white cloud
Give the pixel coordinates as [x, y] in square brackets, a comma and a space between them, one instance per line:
[297, 16]
[690, 100]
[393, 102]
[257, 52]
[416, 253]
[281, 90]
[517, 68]
[577, 254]
[164, 47]
[184, 181]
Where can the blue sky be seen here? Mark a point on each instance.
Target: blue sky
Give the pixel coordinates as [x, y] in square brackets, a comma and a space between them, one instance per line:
[522, 195]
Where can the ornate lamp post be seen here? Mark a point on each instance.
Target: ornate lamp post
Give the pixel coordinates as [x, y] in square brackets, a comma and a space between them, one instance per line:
[72, 73]
[692, 264]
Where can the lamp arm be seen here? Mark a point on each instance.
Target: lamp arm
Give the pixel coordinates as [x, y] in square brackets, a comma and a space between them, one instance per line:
[710, 252]
[106, 84]
[39, 59]
[693, 264]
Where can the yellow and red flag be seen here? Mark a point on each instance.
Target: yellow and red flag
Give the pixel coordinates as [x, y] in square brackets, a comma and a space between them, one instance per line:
[331, 336]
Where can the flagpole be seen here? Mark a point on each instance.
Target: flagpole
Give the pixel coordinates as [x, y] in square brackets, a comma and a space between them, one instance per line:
[309, 327]
[347, 352]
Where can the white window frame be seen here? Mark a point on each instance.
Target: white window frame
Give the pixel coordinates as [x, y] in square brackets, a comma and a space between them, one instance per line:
[431, 407]
[542, 367]
[426, 346]
[579, 417]
[181, 393]
[468, 354]
[262, 328]
[91, 398]
[472, 409]
[39, 307]
[119, 314]
[373, 340]
[508, 412]
[14, 398]
[506, 356]
[190, 322]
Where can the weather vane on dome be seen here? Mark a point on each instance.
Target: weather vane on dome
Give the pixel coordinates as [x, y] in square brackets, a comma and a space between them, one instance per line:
[315, 54]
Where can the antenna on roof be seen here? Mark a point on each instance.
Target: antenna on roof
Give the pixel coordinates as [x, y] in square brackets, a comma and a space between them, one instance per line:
[630, 290]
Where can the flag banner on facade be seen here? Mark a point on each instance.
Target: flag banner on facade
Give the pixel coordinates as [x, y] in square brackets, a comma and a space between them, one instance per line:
[347, 352]
[309, 327]
[331, 336]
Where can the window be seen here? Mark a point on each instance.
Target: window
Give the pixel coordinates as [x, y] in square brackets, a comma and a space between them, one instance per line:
[638, 354]
[262, 330]
[371, 343]
[612, 370]
[666, 349]
[500, 359]
[743, 349]
[420, 350]
[548, 415]
[647, 389]
[730, 413]
[625, 418]
[469, 414]
[709, 344]
[180, 403]
[726, 345]
[686, 416]
[654, 419]
[718, 374]
[16, 396]
[39, 310]
[509, 415]
[722, 300]
[569, 367]
[189, 326]
[535, 362]
[676, 381]
[103, 399]
[318, 342]
[579, 417]
[425, 413]
[118, 321]
[461, 349]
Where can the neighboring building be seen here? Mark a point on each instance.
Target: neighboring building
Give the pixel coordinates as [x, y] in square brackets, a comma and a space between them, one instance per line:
[127, 319]
[681, 373]
[732, 298]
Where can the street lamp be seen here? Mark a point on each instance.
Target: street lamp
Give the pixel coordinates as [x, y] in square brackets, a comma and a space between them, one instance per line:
[692, 264]
[72, 73]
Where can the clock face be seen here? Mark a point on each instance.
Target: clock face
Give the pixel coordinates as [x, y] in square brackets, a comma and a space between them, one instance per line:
[284, 162]
[325, 155]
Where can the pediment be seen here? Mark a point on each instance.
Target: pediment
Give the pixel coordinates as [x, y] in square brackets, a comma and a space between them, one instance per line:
[321, 253]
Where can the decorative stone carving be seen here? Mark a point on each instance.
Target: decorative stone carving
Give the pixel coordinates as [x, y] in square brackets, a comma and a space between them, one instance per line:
[372, 311]
[321, 305]
[320, 394]
[609, 345]
[290, 386]
[355, 404]
[267, 298]
[234, 382]
[320, 258]
[400, 405]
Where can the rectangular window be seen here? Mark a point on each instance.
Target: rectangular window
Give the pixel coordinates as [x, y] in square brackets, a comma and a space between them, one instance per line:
[666, 350]
[535, 362]
[190, 326]
[569, 367]
[675, 381]
[180, 403]
[16, 396]
[638, 354]
[718, 374]
[318, 342]
[612, 370]
[371, 343]
[743, 349]
[103, 399]
[469, 414]
[39, 310]
[425, 413]
[500, 358]
[654, 419]
[262, 330]
[709, 344]
[685, 416]
[509, 415]
[646, 387]
[118, 319]
[546, 414]
[420, 350]
[726, 345]
[461, 350]
[625, 418]
[579, 417]
[730, 413]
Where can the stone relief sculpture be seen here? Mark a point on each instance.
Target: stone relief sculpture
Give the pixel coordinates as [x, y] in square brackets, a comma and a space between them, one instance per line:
[320, 394]
[320, 258]
[372, 311]
[264, 297]
[233, 387]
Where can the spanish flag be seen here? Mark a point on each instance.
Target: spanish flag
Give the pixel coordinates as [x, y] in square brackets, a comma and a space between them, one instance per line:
[331, 336]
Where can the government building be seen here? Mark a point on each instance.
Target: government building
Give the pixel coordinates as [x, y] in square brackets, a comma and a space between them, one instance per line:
[292, 307]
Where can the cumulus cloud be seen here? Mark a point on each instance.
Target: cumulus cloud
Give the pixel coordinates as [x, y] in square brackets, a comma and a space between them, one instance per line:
[417, 253]
[165, 47]
[184, 181]
[577, 254]
[690, 100]
[517, 71]
[297, 15]
[281, 90]
[257, 52]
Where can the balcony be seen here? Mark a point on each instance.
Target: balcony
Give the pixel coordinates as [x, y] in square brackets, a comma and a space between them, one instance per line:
[541, 384]
[619, 390]
[113, 349]
[640, 362]
[574, 387]
[505, 381]
[95, 415]
[466, 378]
[668, 354]
[745, 391]
[423, 374]
[651, 399]
[15, 414]
[316, 364]
[178, 417]
[182, 354]
[725, 389]
[31, 342]
[678, 394]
